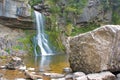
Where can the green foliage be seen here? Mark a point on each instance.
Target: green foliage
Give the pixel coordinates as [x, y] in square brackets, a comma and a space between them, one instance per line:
[72, 6]
[55, 10]
[34, 2]
[70, 9]
[106, 5]
[27, 41]
[75, 6]
[16, 48]
[50, 3]
[55, 39]
[115, 11]
[69, 29]
[69, 12]
[54, 1]
[115, 18]
[3, 57]
[89, 27]
[7, 50]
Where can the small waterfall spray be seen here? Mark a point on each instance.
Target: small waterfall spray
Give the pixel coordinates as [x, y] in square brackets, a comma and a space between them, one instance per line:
[41, 37]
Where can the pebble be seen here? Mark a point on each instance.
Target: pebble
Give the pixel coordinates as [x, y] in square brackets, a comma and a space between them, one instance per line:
[2, 67]
[20, 79]
[67, 70]
[31, 69]
[22, 68]
[81, 78]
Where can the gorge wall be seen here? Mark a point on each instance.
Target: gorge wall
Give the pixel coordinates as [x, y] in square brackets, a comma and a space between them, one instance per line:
[14, 8]
[17, 11]
[10, 41]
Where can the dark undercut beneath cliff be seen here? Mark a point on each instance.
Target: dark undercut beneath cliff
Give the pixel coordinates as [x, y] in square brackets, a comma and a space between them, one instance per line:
[21, 23]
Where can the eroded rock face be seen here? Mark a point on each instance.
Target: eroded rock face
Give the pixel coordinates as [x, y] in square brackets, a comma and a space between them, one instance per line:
[42, 8]
[16, 14]
[94, 12]
[14, 63]
[9, 41]
[14, 8]
[96, 51]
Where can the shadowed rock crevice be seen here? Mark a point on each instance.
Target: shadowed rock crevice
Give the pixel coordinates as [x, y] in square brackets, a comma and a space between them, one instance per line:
[21, 23]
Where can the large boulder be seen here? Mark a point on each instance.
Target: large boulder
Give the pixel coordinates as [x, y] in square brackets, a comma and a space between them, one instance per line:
[14, 63]
[96, 51]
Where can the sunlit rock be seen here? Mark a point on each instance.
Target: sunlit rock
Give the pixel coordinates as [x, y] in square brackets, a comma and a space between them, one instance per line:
[54, 75]
[96, 51]
[78, 74]
[31, 69]
[16, 14]
[15, 63]
[22, 68]
[2, 77]
[118, 76]
[32, 75]
[69, 76]
[58, 79]
[2, 67]
[101, 76]
[14, 8]
[81, 78]
[20, 79]
[67, 70]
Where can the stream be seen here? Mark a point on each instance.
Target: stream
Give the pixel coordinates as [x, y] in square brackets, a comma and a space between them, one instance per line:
[50, 63]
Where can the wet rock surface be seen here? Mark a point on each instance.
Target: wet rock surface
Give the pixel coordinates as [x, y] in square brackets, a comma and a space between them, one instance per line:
[42, 8]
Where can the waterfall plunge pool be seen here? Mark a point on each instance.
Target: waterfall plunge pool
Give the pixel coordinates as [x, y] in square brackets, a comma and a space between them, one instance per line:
[50, 63]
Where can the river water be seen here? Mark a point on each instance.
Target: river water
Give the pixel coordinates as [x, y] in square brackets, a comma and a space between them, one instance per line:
[50, 63]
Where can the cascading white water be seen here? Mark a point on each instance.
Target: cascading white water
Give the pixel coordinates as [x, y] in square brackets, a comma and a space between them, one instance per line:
[41, 37]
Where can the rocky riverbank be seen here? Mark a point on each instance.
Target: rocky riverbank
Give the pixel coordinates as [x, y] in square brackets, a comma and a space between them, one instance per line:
[28, 73]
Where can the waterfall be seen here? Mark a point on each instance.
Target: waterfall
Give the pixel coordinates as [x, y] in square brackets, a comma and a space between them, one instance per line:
[41, 40]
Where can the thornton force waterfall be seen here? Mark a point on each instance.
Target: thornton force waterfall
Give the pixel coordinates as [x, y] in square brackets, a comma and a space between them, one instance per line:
[41, 39]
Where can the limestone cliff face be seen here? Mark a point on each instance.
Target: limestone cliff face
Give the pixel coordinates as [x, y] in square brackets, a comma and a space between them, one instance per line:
[14, 8]
[9, 41]
[17, 11]
[95, 11]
